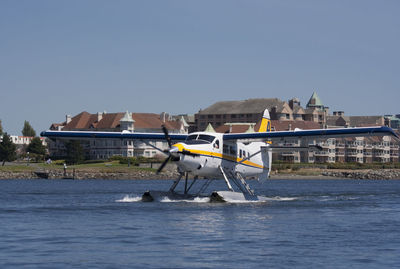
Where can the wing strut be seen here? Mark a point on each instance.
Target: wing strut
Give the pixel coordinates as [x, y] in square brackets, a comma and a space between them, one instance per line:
[226, 179]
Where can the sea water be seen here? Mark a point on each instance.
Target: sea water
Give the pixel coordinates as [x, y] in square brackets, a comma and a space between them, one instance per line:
[103, 224]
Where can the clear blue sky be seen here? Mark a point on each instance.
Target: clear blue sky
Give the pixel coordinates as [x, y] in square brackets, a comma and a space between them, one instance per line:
[65, 57]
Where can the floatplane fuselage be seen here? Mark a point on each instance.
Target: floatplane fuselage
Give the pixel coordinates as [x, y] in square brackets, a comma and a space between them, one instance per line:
[231, 157]
[210, 154]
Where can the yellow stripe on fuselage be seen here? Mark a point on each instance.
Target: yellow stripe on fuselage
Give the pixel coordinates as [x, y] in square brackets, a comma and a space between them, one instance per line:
[219, 155]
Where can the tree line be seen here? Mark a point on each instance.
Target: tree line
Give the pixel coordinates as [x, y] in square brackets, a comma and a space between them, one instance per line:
[8, 150]
[27, 130]
[35, 150]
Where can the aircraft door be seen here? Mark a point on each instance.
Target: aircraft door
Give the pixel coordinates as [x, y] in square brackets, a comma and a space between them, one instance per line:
[266, 156]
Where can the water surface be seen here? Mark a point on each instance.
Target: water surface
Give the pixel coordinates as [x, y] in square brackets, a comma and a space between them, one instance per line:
[102, 224]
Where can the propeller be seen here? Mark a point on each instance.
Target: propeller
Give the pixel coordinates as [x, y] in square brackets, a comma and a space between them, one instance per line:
[167, 137]
[170, 156]
[172, 151]
[164, 163]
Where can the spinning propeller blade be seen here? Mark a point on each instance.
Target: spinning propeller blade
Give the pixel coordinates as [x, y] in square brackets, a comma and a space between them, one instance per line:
[168, 138]
[164, 164]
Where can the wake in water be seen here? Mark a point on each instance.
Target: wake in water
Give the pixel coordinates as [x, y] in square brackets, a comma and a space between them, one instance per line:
[202, 199]
[163, 199]
[130, 199]
[166, 199]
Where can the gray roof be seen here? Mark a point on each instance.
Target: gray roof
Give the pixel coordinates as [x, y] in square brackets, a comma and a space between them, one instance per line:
[244, 106]
[365, 120]
[354, 121]
[298, 109]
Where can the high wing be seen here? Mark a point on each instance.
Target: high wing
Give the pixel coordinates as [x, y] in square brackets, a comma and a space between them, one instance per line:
[121, 135]
[243, 137]
[311, 134]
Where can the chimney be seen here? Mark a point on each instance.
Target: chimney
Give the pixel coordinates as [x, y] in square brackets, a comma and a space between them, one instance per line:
[164, 116]
[338, 113]
[68, 119]
[294, 101]
[99, 116]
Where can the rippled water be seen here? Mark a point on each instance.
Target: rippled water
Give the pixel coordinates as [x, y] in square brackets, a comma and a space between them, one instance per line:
[103, 224]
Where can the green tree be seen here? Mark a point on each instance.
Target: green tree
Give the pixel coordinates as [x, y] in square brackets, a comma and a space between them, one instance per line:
[1, 128]
[36, 147]
[75, 153]
[7, 149]
[28, 130]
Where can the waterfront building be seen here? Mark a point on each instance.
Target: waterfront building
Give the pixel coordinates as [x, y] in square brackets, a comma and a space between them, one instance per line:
[241, 116]
[315, 110]
[351, 149]
[21, 142]
[97, 148]
[251, 110]
[393, 121]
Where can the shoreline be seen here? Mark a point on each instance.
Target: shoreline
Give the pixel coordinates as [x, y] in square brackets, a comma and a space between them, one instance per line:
[82, 174]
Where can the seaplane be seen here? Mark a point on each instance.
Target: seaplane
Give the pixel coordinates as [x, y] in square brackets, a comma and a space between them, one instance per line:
[232, 157]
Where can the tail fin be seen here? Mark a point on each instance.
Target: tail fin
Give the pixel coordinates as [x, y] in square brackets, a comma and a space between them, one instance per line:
[265, 123]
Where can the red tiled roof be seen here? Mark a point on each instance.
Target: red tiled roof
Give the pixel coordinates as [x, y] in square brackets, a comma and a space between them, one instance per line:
[85, 120]
[109, 121]
[151, 121]
[80, 121]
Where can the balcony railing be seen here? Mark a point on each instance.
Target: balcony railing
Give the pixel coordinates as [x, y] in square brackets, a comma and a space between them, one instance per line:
[321, 153]
[381, 155]
[354, 146]
[288, 153]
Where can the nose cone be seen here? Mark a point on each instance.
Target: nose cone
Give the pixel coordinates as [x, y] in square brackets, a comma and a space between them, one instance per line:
[173, 150]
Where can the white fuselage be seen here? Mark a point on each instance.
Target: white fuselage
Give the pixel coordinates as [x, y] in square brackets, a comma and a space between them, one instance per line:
[210, 152]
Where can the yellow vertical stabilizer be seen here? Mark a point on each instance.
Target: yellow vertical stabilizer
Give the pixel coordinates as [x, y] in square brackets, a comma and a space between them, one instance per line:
[265, 122]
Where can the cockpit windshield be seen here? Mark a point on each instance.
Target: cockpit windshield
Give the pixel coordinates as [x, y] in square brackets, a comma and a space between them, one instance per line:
[199, 139]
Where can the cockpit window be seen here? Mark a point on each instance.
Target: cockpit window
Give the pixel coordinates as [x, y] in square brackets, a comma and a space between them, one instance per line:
[191, 137]
[207, 138]
[199, 139]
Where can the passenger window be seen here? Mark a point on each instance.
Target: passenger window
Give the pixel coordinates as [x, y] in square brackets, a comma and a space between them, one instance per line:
[225, 149]
[216, 144]
[232, 150]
